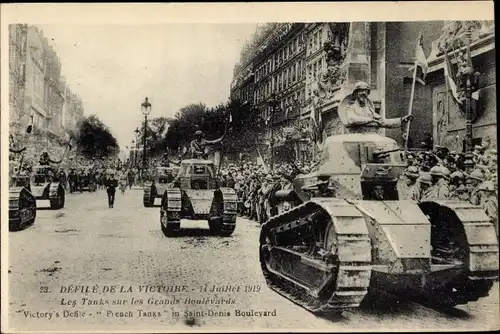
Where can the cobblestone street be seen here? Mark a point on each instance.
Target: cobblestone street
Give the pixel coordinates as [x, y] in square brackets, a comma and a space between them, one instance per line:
[88, 244]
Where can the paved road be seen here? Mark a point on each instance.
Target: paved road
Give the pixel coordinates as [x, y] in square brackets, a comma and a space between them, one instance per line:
[88, 244]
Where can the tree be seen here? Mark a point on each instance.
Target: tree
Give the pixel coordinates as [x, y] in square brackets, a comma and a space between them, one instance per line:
[94, 139]
[155, 135]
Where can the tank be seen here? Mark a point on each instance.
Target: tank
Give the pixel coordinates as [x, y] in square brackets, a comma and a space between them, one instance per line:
[22, 204]
[44, 188]
[195, 194]
[327, 253]
[162, 177]
[88, 182]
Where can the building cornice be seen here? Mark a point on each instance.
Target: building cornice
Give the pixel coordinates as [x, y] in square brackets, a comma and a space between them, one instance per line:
[477, 48]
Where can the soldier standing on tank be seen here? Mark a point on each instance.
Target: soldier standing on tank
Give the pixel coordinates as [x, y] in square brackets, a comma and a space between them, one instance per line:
[199, 144]
[111, 185]
[361, 116]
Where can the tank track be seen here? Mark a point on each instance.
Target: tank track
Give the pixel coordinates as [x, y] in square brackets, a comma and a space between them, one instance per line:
[22, 208]
[170, 212]
[347, 269]
[478, 245]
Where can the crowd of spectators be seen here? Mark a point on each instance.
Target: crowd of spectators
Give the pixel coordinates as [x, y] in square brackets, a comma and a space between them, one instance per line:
[434, 174]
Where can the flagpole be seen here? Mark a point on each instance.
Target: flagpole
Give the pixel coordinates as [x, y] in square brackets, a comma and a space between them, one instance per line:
[410, 108]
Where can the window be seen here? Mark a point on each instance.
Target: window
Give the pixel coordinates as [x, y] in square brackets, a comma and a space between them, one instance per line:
[320, 36]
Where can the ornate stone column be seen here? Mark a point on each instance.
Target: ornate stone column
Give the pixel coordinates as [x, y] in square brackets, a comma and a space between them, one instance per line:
[356, 66]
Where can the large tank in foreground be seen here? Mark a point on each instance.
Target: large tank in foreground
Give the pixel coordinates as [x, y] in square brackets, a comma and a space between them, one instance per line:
[195, 194]
[22, 204]
[327, 253]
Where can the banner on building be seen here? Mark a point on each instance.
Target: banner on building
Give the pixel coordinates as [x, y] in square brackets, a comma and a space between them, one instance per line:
[450, 79]
[420, 61]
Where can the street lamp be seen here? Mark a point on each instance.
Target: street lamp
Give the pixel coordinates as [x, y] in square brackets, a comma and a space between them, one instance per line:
[146, 109]
[137, 132]
[273, 102]
[468, 80]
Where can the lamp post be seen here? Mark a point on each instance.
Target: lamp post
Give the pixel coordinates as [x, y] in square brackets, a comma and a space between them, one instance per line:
[137, 132]
[146, 109]
[273, 103]
[469, 82]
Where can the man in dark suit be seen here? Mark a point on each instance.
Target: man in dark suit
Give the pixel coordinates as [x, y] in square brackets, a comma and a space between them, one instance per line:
[111, 185]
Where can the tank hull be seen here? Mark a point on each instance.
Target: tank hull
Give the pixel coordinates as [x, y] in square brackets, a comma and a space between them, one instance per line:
[54, 192]
[327, 254]
[22, 208]
[217, 206]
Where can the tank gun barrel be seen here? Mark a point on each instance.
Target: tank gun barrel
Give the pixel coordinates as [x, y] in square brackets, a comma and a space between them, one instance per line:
[378, 154]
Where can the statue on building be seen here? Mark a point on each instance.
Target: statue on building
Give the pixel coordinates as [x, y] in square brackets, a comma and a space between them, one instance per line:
[332, 76]
[454, 34]
[357, 112]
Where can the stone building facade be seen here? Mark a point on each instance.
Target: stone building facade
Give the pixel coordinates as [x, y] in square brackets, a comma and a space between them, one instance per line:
[36, 87]
[17, 73]
[448, 116]
[317, 65]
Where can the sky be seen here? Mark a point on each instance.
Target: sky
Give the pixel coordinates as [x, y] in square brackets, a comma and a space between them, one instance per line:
[114, 67]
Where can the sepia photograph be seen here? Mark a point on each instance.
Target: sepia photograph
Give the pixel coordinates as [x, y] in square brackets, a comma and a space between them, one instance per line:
[245, 167]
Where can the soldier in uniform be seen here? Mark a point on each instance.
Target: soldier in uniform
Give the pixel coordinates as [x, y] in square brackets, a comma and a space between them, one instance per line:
[473, 184]
[425, 183]
[456, 184]
[490, 203]
[361, 116]
[413, 192]
[199, 145]
[440, 188]
[62, 177]
[72, 180]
